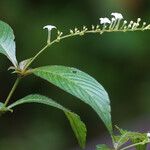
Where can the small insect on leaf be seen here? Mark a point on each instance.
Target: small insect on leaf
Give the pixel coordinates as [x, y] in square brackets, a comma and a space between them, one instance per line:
[74, 71]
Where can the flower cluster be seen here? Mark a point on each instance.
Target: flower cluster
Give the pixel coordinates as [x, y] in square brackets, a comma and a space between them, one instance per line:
[115, 23]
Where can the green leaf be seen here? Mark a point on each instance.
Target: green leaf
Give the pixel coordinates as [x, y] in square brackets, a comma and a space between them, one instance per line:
[77, 125]
[7, 43]
[139, 147]
[102, 147]
[1, 105]
[134, 137]
[80, 85]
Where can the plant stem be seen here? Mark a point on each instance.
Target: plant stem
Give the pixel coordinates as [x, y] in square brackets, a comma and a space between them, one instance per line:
[133, 145]
[77, 34]
[45, 47]
[12, 91]
[28, 64]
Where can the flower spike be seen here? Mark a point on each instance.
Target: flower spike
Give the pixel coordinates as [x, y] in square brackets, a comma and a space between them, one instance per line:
[116, 23]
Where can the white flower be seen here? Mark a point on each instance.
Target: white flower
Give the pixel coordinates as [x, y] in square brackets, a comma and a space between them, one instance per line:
[113, 19]
[148, 134]
[104, 20]
[139, 19]
[131, 22]
[117, 16]
[49, 27]
[125, 22]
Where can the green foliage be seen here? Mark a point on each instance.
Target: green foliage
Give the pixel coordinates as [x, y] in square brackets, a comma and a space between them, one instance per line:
[77, 125]
[134, 137]
[141, 146]
[73, 81]
[80, 85]
[7, 43]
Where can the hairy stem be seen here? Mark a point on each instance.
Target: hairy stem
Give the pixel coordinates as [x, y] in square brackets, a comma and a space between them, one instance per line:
[12, 91]
[78, 34]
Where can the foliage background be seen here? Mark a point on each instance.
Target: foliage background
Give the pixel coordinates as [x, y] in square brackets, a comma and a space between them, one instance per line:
[119, 61]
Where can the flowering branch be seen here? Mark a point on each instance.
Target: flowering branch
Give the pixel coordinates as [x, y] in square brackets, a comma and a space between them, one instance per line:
[115, 24]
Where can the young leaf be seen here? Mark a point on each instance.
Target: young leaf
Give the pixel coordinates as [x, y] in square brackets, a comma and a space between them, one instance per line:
[134, 137]
[23, 63]
[102, 147]
[139, 147]
[77, 125]
[80, 85]
[7, 43]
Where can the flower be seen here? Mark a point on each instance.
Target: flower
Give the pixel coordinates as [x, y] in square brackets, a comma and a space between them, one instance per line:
[104, 20]
[113, 19]
[49, 27]
[148, 134]
[125, 22]
[117, 16]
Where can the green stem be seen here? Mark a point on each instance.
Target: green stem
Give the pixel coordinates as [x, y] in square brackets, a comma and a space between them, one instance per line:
[133, 145]
[76, 34]
[12, 91]
[113, 140]
[28, 64]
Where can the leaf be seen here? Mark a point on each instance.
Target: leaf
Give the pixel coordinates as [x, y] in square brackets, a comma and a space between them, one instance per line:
[134, 137]
[1, 105]
[23, 63]
[80, 85]
[7, 43]
[139, 137]
[139, 147]
[77, 125]
[102, 147]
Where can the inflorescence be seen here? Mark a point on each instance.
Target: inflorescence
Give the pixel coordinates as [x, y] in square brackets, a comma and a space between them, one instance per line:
[115, 24]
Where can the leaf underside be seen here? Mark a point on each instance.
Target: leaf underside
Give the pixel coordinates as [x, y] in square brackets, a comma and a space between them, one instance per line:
[80, 85]
[7, 43]
[77, 125]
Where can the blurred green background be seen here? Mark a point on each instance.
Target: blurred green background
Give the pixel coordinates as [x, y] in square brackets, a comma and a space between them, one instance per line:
[119, 61]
